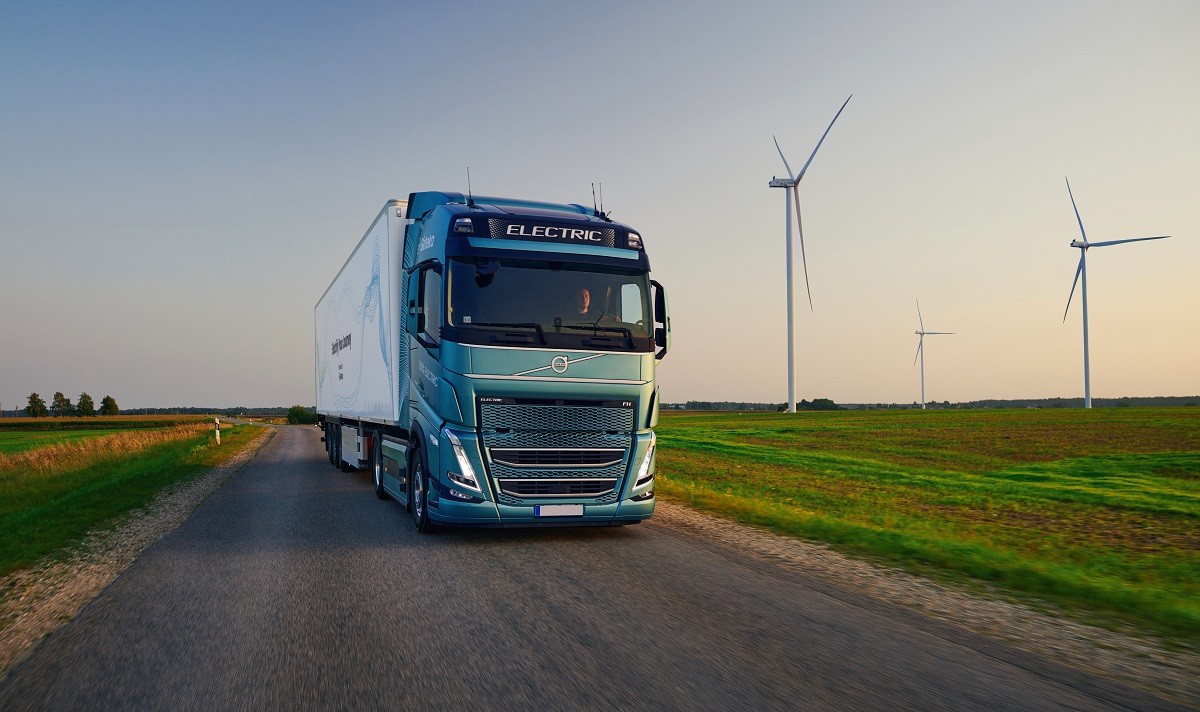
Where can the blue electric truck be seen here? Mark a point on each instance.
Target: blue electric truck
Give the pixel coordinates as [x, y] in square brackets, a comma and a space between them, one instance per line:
[492, 362]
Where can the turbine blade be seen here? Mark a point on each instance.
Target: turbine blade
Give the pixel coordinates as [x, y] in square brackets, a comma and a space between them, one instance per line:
[938, 332]
[785, 163]
[803, 261]
[919, 319]
[1106, 243]
[814, 153]
[1078, 270]
[1077, 218]
[920, 343]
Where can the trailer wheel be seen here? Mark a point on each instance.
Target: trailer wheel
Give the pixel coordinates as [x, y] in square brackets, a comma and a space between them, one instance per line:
[330, 444]
[377, 466]
[418, 494]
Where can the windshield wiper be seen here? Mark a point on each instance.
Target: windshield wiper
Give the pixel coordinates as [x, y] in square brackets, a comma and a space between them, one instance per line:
[511, 325]
[597, 328]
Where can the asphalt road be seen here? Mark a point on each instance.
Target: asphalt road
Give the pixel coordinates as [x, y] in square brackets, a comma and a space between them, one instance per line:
[294, 587]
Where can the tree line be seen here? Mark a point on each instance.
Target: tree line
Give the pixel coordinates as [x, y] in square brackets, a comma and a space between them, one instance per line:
[61, 407]
[814, 404]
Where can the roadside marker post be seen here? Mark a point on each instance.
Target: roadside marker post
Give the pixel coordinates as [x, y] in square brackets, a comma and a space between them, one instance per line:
[217, 423]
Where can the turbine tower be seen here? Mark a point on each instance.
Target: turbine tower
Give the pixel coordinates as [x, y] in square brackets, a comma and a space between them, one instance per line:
[921, 349]
[791, 195]
[1081, 270]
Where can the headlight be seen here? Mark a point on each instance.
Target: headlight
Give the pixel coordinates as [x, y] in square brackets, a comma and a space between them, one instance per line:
[644, 474]
[466, 476]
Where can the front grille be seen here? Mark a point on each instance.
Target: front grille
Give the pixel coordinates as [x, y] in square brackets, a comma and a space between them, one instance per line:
[551, 440]
[501, 472]
[558, 488]
[565, 451]
[555, 417]
[513, 501]
[552, 457]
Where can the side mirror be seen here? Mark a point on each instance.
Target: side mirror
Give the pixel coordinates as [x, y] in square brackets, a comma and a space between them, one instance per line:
[662, 320]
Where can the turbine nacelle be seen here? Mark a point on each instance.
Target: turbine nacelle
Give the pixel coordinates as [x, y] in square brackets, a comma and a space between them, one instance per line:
[781, 183]
[1078, 243]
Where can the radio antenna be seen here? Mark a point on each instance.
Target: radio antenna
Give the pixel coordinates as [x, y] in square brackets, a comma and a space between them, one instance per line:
[602, 200]
[595, 206]
[470, 196]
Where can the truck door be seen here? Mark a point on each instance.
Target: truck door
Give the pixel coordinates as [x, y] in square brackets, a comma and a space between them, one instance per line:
[425, 325]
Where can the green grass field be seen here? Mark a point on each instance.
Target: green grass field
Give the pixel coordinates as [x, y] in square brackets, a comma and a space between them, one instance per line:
[21, 434]
[15, 441]
[50, 496]
[114, 422]
[1094, 511]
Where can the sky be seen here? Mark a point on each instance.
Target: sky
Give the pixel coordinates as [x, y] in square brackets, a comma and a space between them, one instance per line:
[179, 182]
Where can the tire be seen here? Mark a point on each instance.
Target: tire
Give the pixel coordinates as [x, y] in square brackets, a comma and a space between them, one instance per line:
[377, 466]
[417, 495]
[330, 452]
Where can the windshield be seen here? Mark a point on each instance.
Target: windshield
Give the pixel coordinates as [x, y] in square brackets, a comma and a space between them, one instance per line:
[548, 303]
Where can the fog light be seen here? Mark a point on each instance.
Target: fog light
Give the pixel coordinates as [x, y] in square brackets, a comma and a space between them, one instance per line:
[464, 226]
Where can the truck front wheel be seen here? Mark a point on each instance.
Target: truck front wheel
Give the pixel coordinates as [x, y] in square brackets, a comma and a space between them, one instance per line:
[418, 496]
[377, 466]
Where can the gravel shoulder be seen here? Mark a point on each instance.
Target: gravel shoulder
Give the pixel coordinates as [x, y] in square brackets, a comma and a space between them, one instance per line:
[1122, 656]
[36, 602]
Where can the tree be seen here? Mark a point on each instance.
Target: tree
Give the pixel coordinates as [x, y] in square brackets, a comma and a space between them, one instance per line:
[60, 407]
[108, 406]
[301, 415]
[36, 407]
[86, 407]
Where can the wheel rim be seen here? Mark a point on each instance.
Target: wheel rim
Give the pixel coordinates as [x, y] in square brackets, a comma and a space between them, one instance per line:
[418, 492]
[377, 457]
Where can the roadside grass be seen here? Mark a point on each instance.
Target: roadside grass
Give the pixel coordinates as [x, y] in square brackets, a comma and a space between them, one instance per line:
[50, 497]
[19, 440]
[99, 422]
[1097, 512]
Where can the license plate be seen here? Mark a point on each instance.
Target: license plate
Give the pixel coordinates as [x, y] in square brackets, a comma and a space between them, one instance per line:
[558, 510]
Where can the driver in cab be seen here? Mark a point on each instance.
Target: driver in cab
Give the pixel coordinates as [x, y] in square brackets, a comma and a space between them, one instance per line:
[584, 309]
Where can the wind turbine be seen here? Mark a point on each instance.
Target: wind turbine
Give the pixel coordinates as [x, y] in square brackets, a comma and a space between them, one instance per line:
[921, 349]
[791, 195]
[1083, 246]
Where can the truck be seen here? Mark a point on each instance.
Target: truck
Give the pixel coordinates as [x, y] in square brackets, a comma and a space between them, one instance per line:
[491, 361]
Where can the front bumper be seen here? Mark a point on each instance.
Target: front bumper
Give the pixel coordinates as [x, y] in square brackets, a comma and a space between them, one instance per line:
[490, 514]
[456, 506]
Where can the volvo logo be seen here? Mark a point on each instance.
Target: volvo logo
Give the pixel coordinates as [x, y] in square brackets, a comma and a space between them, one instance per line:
[559, 364]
